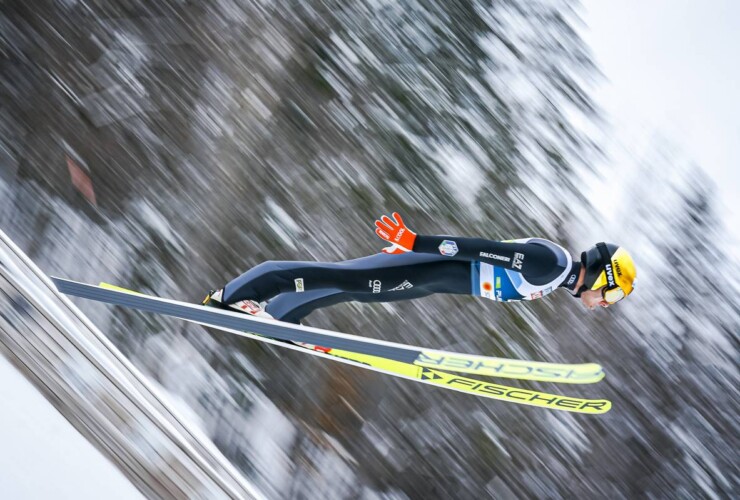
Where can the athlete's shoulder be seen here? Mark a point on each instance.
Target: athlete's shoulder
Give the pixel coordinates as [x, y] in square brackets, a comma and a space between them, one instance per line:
[563, 257]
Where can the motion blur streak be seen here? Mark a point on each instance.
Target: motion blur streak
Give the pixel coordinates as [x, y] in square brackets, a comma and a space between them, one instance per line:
[102, 394]
[206, 137]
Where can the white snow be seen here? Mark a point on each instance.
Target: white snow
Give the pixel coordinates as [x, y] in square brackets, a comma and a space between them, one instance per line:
[464, 177]
[281, 223]
[43, 456]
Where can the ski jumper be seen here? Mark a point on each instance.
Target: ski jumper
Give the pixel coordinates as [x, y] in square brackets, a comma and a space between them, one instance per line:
[523, 269]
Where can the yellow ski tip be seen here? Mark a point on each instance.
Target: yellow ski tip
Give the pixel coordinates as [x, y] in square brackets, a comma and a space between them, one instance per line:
[109, 286]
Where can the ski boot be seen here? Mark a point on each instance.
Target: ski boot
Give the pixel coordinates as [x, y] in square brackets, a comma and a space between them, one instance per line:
[251, 307]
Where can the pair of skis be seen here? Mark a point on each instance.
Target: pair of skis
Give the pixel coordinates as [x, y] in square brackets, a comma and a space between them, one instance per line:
[400, 360]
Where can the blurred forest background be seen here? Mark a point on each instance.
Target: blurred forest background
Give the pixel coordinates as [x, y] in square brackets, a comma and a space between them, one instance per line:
[169, 146]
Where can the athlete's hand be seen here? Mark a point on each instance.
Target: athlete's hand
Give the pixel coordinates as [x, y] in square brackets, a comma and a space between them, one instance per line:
[395, 232]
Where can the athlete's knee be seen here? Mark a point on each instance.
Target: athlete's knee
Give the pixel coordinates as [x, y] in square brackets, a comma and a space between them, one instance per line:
[257, 283]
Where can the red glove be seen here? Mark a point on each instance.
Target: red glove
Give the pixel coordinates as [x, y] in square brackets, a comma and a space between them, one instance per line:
[395, 232]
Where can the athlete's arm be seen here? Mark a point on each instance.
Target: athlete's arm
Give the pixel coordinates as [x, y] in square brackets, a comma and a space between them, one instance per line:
[530, 259]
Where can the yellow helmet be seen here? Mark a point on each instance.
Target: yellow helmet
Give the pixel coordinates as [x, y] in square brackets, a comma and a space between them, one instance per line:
[611, 266]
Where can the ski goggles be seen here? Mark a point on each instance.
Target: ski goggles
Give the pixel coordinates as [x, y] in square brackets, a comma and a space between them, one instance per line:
[612, 293]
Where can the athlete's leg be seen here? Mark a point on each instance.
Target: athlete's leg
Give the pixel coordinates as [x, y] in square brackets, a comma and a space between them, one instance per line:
[292, 307]
[385, 285]
[367, 274]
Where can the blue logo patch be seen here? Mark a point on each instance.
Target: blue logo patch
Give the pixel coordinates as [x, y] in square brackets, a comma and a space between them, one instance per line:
[448, 248]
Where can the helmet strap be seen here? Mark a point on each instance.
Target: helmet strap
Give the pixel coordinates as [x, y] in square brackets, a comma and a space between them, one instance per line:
[606, 261]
